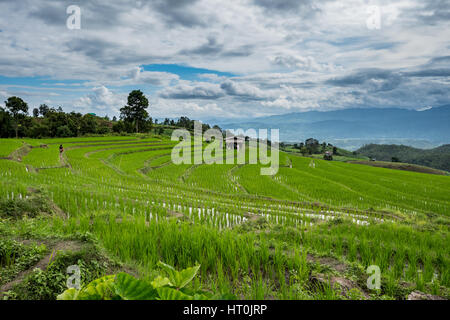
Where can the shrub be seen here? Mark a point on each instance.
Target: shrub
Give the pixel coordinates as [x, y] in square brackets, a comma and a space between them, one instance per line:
[172, 286]
[18, 208]
[64, 132]
[47, 284]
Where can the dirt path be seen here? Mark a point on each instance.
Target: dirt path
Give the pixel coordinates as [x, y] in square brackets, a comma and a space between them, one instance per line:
[63, 161]
[44, 262]
[19, 154]
[328, 261]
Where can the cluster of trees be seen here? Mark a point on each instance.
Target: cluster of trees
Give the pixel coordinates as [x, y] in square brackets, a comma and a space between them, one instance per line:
[46, 121]
[312, 146]
[185, 122]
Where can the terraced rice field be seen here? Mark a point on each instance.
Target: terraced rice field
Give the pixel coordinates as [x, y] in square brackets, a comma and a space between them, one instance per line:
[256, 236]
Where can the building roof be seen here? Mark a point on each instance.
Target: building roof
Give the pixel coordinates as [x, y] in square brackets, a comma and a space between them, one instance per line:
[235, 138]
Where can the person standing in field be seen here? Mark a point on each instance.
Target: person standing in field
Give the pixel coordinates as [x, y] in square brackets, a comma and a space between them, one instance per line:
[61, 149]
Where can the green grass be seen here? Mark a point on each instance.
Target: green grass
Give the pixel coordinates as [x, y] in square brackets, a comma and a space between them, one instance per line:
[7, 146]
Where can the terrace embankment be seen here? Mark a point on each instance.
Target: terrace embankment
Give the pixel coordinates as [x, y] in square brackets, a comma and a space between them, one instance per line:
[401, 166]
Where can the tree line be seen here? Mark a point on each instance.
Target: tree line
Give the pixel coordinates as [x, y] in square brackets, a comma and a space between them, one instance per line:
[312, 146]
[48, 122]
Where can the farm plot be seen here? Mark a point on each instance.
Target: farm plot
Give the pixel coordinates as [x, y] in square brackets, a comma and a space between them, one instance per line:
[43, 157]
[7, 146]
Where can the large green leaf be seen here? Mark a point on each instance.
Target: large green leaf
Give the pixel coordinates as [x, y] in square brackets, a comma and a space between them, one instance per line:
[167, 293]
[130, 288]
[171, 272]
[223, 296]
[161, 282]
[69, 294]
[125, 286]
[200, 297]
[99, 289]
[179, 279]
[187, 275]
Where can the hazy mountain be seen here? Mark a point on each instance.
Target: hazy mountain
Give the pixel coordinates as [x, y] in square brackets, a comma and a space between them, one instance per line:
[353, 128]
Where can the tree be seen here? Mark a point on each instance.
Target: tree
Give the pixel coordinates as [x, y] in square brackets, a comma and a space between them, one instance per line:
[6, 127]
[118, 127]
[38, 130]
[74, 122]
[88, 124]
[54, 120]
[44, 109]
[64, 132]
[216, 127]
[135, 111]
[205, 127]
[18, 108]
[187, 123]
[35, 112]
[312, 145]
[304, 151]
[335, 152]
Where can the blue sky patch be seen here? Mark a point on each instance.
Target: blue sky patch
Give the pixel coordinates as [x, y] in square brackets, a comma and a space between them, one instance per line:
[184, 72]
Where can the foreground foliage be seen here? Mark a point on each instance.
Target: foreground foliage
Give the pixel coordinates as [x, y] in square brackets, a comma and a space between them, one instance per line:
[125, 287]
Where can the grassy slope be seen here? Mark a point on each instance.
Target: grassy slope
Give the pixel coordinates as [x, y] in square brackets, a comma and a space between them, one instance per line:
[438, 158]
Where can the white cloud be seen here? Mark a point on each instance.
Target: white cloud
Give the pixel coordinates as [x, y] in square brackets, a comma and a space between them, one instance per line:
[281, 60]
[138, 75]
[192, 90]
[243, 90]
[101, 100]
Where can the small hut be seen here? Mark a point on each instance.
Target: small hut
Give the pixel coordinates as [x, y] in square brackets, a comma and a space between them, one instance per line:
[236, 143]
[328, 156]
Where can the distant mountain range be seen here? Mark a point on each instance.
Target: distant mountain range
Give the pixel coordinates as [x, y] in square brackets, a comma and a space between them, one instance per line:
[353, 128]
[438, 158]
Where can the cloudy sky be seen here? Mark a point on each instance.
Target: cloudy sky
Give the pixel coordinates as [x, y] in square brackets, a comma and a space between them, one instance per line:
[236, 58]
